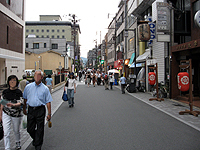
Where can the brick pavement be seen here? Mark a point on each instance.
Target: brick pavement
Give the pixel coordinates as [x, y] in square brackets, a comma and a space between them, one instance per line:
[168, 106]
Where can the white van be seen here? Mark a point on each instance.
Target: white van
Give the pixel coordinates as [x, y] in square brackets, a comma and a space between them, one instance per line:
[31, 72]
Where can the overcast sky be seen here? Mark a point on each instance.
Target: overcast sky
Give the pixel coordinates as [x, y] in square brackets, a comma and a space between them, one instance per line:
[93, 15]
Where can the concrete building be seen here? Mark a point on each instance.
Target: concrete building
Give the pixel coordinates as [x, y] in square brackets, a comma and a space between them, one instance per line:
[12, 39]
[111, 46]
[42, 45]
[58, 33]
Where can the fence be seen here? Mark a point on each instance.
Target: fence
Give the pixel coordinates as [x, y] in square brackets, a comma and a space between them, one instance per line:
[58, 79]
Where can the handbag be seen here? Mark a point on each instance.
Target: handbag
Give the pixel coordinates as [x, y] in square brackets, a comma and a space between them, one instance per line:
[24, 122]
[1, 131]
[64, 96]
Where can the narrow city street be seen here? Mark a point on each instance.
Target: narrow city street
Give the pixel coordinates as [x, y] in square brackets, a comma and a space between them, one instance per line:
[108, 120]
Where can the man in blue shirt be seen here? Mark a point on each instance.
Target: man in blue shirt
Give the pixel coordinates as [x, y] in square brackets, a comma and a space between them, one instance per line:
[36, 96]
[123, 83]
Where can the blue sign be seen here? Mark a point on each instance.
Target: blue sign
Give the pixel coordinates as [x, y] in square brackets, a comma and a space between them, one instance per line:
[152, 31]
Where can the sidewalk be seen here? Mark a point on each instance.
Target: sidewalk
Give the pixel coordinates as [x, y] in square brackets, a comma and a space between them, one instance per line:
[168, 106]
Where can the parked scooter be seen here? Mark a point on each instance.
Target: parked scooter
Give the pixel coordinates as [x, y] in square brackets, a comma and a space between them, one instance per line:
[140, 81]
[162, 91]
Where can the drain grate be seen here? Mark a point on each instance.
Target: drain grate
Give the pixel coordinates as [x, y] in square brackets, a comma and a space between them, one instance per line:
[178, 105]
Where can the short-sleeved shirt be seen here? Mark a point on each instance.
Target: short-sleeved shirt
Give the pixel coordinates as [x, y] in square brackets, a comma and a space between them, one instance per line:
[123, 80]
[37, 95]
[71, 83]
[48, 80]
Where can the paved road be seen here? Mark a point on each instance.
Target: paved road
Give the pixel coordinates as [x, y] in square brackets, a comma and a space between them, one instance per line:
[108, 120]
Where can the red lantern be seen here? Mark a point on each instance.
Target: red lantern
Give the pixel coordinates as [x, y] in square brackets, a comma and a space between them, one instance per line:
[152, 78]
[183, 81]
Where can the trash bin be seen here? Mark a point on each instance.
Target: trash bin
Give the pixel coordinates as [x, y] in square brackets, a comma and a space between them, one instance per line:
[131, 87]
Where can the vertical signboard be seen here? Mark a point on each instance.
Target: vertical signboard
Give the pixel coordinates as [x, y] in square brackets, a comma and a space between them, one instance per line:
[152, 31]
[163, 17]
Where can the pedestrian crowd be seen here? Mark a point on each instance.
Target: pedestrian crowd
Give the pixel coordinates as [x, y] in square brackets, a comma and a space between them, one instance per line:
[107, 79]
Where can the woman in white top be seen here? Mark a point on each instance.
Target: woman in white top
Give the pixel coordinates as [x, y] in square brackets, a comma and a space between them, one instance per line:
[112, 80]
[71, 89]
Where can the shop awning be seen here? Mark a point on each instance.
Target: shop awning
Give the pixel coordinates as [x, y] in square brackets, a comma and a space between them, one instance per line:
[132, 58]
[137, 65]
[144, 56]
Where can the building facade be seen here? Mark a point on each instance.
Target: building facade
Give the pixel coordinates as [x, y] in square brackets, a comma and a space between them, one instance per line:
[60, 34]
[12, 39]
[186, 47]
[42, 45]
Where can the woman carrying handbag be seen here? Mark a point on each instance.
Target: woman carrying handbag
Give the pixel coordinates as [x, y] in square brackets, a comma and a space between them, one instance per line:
[71, 89]
[10, 111]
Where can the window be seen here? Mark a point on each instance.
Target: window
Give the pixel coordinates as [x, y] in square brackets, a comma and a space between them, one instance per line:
[52, 30]
[26, 45]
[32, 30]
[35, 45]
[37, 30]
[52, 36]
[47, 36]
[42, 36]
[37, 36]
[8, 2]
[42, 30]
[58, 30]
[54, 46]
[63, 30]
[47, 30]
[63, 36]
[27, 30]
[58, 36]
[45, 45]
[7, 35]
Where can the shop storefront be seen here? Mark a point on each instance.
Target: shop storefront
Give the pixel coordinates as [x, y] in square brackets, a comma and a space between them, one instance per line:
[186, 51]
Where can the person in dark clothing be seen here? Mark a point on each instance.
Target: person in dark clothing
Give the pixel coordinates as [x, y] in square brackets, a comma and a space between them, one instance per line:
[80, 76]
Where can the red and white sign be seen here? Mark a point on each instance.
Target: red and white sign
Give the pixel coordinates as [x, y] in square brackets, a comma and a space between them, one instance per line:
[152, 78]
[183, 81]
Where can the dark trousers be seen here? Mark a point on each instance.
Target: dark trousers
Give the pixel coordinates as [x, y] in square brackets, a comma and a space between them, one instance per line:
[123, 88]
[111, 84]
[35, 124]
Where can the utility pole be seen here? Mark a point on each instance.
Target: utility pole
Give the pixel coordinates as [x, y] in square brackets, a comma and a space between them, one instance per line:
[125, 36]
[74, 25]
[105, 61]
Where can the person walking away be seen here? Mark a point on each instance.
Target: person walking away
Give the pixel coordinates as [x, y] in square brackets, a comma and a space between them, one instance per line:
[112, 79]
[11, 112]
[88, 78]
[36, 96]
[80, 75]
[98, 78]
[102, 77]
[23, 83]
[49, 83]
[71, 89]
[123, 83]
[94, 78]
[106, 79]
